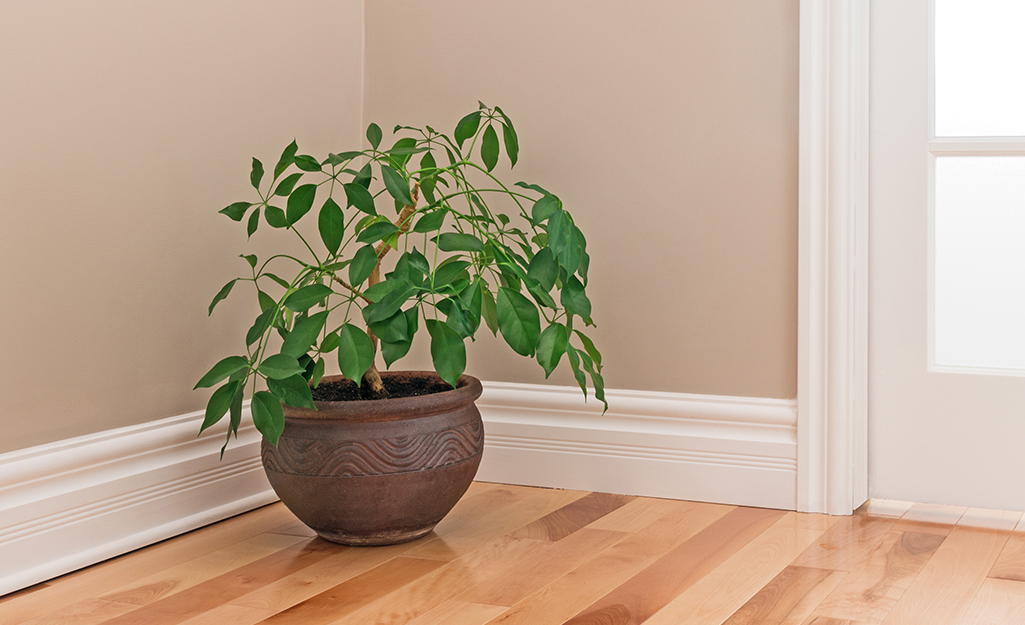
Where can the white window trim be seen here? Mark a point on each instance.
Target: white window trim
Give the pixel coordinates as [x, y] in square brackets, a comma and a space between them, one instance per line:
[832, 391]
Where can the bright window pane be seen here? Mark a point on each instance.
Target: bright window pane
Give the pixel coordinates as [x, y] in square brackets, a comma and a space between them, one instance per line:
[979, 263]
[980, 56]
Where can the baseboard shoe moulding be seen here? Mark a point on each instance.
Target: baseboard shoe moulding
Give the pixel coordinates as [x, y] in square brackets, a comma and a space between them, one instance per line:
[734, 450]
[73, 503]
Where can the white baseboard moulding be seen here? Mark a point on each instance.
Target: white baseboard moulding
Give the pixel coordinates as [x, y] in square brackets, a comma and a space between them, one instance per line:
[73, 503]
[733, 450]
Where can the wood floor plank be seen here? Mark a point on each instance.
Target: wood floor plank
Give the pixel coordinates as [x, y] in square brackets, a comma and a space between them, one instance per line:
[636, 515]
[884, 507]
[175, 579]
[828, 620]
[224, 588]
[944, 589]
[723, 591]
[490, 524]
[228, 614]
[875, 585]
[1010, 564]
[998, 602]
[442, 585]
[571, 517]
[636, 600]
[567, 595]
[788, 599]
[930, 518]
[488, 500]
[86, 584]
[842, 546]
[353, 594]
[459, 613]
[550, 562]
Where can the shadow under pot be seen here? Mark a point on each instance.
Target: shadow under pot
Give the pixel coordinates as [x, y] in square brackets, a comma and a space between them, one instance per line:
[378, 472]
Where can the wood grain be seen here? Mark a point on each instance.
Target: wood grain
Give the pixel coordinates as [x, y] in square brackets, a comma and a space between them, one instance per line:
[874, 586]
[723, 591]
[788, 599]
[884, 507]
[566, 596]
[353, 594]
[845, 543]
[459, 613]
[636, 600]
[570, 518]
[944, 589]
[550, 562]
[998, 602]
[1010, 564]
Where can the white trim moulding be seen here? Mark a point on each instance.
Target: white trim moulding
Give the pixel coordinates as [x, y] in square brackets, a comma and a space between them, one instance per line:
[734, 450]
[832, 459]
[73, 503]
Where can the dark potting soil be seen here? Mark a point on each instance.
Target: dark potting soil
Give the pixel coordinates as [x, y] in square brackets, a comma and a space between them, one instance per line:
[346, 390]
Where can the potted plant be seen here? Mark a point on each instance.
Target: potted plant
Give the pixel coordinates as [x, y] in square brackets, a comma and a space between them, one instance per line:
[372, 458]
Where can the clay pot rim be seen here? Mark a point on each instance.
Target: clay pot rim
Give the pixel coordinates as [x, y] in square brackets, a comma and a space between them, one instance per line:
[468, 389]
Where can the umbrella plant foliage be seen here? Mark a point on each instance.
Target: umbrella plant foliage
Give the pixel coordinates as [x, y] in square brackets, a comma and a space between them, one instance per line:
[464, 247]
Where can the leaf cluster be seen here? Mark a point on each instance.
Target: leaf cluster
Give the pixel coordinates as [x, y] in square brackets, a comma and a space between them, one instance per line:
[459, 261]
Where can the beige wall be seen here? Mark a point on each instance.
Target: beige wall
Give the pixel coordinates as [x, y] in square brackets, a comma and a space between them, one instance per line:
[669, 129]
[124, 127]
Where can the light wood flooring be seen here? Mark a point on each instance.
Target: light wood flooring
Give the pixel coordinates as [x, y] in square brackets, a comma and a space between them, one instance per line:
[516, 555]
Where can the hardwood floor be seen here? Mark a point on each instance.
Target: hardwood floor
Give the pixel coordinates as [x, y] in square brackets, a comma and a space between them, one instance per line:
[514, 555]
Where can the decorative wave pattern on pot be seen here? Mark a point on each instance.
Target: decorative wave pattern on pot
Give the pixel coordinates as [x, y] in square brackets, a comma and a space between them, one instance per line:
[375, 456]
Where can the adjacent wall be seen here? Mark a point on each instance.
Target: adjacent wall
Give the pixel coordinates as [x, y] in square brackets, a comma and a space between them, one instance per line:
[124, 127]
[670, 131]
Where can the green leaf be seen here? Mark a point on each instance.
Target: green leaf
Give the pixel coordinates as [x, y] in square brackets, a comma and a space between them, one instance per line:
[447, 351]
[303, 334]
[592, 351]
[250, 258]
[257, 174]
[574, 364]
[221, 295]
[544, 269]
[235, 212]
[363, 264]
[222, 370]
[355, 352]
[431, 221]
[268, 416]
[287, 158]
[307, 296]
[403, 149]
[331, 224]
[260, 326]
[448, 272]
[389, 304]
[544, 208]
[394, 351]
[338, 159]
[293, 391]
[458, 242]
[398, 187]
[363, 178]
[489, 148]
[563, 239]
[489, 311]
[318, 373]
[219, 403]
[551, 346]
[285, 186]
[280, 366]
[277, 280]
[377, 231]
[472, 301]
[307, 163]
[518, 321]
[275, 217]
[512, 143]
[374, 136]
[254, 223]
[358, 196]
[532, 187]
[596, 380]
[574, 299]
[393, 329]
[467, 127]
[300, 202]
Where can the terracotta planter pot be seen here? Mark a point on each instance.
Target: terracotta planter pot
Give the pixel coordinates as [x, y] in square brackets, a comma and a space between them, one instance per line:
[378, 472]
